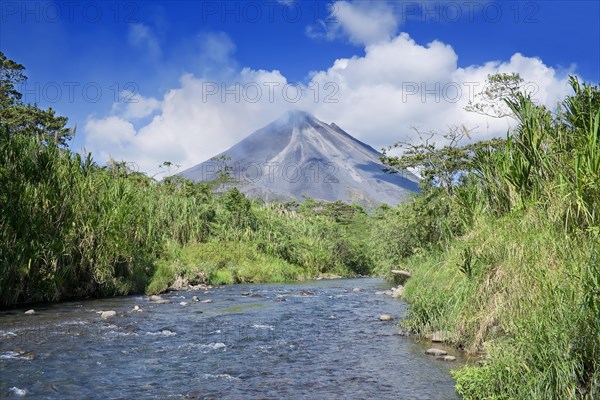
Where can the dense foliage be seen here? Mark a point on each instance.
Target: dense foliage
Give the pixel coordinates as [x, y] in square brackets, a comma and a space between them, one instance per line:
[505, 248]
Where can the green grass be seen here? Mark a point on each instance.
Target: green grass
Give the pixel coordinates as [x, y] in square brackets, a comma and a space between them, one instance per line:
[521, 305]
[221, 263]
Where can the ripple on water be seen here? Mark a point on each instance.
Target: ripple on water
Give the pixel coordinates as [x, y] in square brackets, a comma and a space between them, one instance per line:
[212, 346]
[16, 355]
[17, 392]
[225, 377]
[263, 326]
[164, 332]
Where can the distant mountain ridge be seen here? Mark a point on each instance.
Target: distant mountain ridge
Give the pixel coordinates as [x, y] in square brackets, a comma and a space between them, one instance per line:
[298, 155]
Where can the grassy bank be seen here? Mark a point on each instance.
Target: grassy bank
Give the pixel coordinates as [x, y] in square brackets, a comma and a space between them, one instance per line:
[70, 229]
[511, 267]
[516, 290]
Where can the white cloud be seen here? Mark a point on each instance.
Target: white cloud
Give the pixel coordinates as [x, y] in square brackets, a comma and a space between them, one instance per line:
[377, 97]
[287, 3]
[142, 37]
[399, 84]
[362, 22]
[216, 48]
[135, 106]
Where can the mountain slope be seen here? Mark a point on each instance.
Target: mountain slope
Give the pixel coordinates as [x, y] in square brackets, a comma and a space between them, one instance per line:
[297, 155]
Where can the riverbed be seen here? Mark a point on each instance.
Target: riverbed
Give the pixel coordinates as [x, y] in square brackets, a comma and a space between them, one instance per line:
[311, 340]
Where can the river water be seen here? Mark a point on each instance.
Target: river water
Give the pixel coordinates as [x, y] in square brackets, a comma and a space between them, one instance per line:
[314, 340]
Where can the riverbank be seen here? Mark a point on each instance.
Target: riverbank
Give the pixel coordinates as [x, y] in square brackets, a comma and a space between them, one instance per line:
[515, 292]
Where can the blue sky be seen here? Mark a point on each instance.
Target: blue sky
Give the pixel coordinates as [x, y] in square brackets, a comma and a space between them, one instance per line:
[87, 59]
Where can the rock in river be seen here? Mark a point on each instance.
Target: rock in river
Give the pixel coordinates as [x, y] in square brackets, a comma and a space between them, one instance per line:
[158, 300]
[398, 292]
[30, 312]
[386, 317]
[108, 314]
[436, 352]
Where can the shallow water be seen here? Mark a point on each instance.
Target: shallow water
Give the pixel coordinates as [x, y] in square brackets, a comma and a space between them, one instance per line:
[315, 340]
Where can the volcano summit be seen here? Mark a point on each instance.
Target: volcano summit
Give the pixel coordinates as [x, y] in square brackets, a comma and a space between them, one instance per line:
[299, 156]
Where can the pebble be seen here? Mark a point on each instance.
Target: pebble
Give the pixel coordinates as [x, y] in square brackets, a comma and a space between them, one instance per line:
[436, 352]
[386, 317]
[137, 309]
[194, 298]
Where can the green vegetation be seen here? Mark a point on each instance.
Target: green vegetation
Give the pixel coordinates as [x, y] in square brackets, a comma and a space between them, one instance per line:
[505, 255]
[70, 228]
[503, 241]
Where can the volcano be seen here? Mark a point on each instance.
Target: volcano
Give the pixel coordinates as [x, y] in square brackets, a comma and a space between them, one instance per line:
[298, 156]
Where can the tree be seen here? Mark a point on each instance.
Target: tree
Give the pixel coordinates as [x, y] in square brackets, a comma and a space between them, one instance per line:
[223, 172]
[492, 100]
[442, 158]
[27, 119]
[436, 165]
[11, 75]
[239, 208]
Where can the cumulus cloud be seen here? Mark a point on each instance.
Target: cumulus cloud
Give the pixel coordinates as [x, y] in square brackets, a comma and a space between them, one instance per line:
[196, 121]
[400, 84]
[135, 106]
[362, 22]
[378, 97]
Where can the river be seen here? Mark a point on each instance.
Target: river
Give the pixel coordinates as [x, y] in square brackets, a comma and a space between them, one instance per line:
[312, 340]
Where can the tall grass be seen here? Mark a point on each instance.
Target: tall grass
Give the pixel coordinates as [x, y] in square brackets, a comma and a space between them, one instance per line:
[518, 281]
[70, 228]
